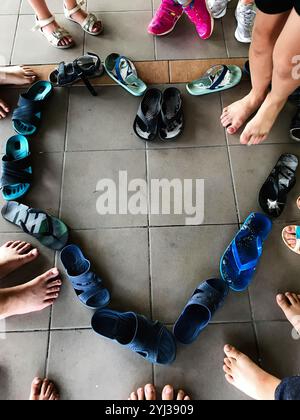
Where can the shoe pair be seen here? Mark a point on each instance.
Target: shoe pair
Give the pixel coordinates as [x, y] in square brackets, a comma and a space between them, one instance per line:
[169, 12]
[160, 114]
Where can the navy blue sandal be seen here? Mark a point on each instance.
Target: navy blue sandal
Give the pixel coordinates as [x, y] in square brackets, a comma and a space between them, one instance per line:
[206, 300]
[87, 285]
[151, 340]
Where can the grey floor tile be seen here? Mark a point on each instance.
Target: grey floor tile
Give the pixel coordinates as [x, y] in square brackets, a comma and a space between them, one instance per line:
[78, 358]
[23, 357]
[81, 200]
[40, 51]
[234, 47]
[279, 352]
[120, 5]
[108, 120]
[278, 272]
[198, 368]
[131, 39]
[120, 257]
[45, 261]
[8, 28]
[9, 7]
[251, 167]
[195, 164]
[190, 256]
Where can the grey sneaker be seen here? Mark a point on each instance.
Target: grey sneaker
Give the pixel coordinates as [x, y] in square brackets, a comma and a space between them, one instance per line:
[217, 8]
[245, 15]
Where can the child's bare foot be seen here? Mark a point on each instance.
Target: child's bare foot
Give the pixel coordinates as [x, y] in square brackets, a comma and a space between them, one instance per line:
[149, 393]
[43, 390]
[258, 129]
[4, 109]
[246, 376]
[33, 296]
[17, 75]
[15, 254]
[52, 27]
[81, 15]
[290, 304]
[235, 115]
[168, 393]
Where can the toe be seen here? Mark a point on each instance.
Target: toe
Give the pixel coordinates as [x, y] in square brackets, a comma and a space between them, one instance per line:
[150, 392]
[296, 298]
[282, 302]
[227, 362]
[21, 245]
[53, 290]
[245, 137]
[8, 244]
[180, 395]
[36, 388]
[232, 352]
[15, 244]
[187, 398]
[226, 369]
[168, 393]
[231, 129]
[55, 283]
[44, 387]
[229, 379]
[133, 396]
[51, 297]
[50, 274]
[291, 298]
[140, 394]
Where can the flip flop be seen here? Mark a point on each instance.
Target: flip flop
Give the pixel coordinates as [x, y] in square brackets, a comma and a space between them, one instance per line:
[27, 116]
[16, 169]
[216, 79]
[149, 339]
[171, 118]
[239, 262]
[123, 72]
[49, 230]
[282, 179]
[206, 300]
[83, 68]
[87, 285]
[146, 122]
[296, 248]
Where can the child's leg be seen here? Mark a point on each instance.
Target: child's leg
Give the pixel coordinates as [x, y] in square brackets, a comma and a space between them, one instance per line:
[81, 15]
[283, 83]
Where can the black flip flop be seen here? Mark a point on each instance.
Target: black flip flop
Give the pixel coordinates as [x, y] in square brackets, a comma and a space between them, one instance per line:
[273, 194]
[146, 122]
[171, 121]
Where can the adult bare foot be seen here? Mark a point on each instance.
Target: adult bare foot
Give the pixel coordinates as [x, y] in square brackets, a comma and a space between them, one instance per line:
[149, 393]
[168, 393]
[258, 129]
[43, 390]
[81, 15]
[290, 304]
[4, 109]
[15, 254]
[235, 115]
[246, 376]
[33, 296]
[17, 75]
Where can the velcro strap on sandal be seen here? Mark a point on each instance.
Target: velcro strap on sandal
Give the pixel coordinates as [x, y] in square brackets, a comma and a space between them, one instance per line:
[40, 24]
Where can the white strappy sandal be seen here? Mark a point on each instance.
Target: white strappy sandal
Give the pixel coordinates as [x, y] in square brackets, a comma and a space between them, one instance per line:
[88, 23]
[56, 36]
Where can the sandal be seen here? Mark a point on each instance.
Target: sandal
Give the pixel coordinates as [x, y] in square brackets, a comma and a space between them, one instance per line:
[16, 169]
[206, 300]
[151, 340]
[89, 22]
[296, 233]
[56, 36]
[26, 117]
[83, 68]
[146, 122]
[123, 72]
[216, 79]
[274, 192]
[49, 230]
[87, 285]
[171, 122]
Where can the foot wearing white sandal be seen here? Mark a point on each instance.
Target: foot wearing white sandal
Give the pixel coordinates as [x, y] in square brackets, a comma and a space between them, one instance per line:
[15, 254]
[80, 16]
[17, 75]
[33, 296]
[246, 376]
[43, 390]
[56, 36]
[290, 304]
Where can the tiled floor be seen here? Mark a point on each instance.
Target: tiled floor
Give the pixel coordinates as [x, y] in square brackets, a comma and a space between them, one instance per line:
[125, 24]
[150, 264]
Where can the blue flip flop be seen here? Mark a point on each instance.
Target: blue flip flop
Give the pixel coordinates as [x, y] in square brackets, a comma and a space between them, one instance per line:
[16, 169]
[239, 262]
[87, 285]
[206, 300]
[26, 117]
[151, 340]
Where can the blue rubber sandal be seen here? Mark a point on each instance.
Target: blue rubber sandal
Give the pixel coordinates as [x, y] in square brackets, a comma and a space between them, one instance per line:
[27, 116]
[239, 262]
[206, 300]
[87, 285]
[151, 340]
[16, 169]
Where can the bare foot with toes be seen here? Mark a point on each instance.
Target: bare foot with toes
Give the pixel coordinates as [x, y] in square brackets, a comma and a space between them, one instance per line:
[43, 390]
[15, 254]
[4, 109]
[17, 75]
[290, 304]
[149, 393]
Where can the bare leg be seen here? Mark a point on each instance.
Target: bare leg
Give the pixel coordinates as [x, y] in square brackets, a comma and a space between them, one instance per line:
[283, 83]
[267, 29]
[80, 15]
[43, 390]
[42, 12]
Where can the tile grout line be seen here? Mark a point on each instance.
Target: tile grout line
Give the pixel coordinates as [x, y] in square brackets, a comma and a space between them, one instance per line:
[225, 42]
[14, 39]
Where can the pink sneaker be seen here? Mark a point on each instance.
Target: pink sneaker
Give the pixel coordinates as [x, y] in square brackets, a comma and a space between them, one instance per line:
[165, 19]
[198, 13]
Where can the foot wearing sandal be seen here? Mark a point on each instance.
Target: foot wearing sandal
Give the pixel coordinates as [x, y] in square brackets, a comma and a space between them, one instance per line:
[290, 304]
[15, 254]
[17, 75]
[56, 35]
[80, 16]
[33, 296]
[149, 393]
[235, 115]
[52, 28]
[4, 109]
[246, 376]
[43, 390]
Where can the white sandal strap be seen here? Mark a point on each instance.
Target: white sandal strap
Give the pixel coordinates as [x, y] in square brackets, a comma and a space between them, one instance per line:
[39, 24]
[69, 13]
[89, 22]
